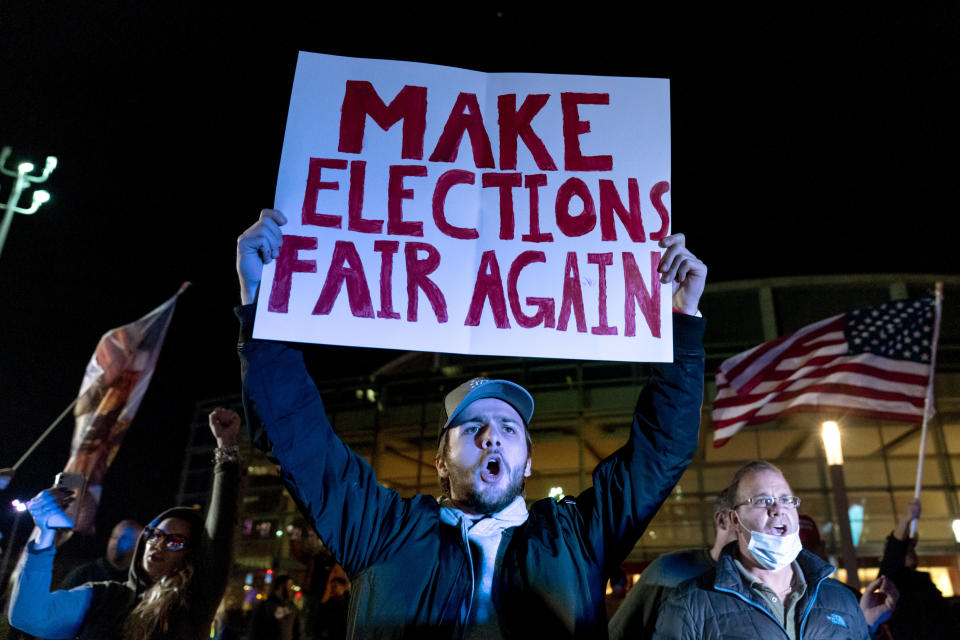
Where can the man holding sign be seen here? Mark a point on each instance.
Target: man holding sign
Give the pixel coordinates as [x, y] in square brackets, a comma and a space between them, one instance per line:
[477, 563]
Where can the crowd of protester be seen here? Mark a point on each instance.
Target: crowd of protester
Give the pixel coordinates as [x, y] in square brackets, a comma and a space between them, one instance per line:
[479, 562]
[901, 603]
[166, 580]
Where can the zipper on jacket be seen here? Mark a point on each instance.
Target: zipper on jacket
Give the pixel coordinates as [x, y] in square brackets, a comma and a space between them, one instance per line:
[473, 587]
[497, 585]
[813, 599]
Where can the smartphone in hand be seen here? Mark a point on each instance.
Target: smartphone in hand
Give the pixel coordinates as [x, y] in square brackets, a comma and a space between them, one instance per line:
[76, 484]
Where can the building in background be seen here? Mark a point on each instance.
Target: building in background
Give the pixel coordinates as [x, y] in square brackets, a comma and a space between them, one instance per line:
[583, 414]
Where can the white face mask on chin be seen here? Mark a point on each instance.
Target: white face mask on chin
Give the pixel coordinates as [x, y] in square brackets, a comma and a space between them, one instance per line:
[774, 552]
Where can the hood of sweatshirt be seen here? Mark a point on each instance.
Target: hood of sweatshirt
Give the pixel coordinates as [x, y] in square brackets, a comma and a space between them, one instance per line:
[137, 577]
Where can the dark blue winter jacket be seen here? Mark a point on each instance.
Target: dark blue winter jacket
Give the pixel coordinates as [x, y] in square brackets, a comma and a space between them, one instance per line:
[719, 605]
[411, 574]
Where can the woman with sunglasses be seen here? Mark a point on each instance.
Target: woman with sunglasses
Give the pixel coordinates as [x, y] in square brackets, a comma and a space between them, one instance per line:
[177, 577]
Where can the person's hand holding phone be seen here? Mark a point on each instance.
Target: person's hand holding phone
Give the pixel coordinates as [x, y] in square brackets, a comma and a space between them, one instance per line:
[47, 511]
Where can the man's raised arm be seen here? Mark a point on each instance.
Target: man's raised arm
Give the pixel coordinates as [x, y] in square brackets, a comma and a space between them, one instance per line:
[353, 514]
[631, 484]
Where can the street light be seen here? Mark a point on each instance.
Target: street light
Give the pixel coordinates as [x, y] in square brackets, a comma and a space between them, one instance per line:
[831, 445]
[22, 178]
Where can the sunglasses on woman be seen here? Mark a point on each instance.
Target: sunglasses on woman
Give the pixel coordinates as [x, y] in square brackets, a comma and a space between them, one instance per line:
[172, 541]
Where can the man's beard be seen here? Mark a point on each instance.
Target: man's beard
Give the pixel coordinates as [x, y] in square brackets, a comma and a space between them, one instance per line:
[485, 498]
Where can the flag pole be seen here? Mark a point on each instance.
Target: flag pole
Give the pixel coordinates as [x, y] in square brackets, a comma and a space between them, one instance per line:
[928, 408]
[6, 475]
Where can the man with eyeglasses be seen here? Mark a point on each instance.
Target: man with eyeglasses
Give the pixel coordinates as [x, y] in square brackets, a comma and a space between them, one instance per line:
[765, 585]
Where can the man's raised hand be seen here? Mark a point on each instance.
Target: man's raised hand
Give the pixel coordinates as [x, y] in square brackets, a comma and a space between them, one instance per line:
[687, 273]
[257, 246]
[912, 512]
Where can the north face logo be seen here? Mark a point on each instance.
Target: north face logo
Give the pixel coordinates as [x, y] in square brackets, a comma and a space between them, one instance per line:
[837, 619]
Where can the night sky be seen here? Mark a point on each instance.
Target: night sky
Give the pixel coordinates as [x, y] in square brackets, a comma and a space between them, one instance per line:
[818, 141]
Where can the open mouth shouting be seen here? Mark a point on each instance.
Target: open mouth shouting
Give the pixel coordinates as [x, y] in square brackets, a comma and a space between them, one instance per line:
[778, 530]
[492, 469]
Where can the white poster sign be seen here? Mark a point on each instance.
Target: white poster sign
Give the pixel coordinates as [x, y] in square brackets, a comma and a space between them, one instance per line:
[439, 209]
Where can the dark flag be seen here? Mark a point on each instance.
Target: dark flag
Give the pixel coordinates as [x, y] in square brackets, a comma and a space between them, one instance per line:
[113, 386]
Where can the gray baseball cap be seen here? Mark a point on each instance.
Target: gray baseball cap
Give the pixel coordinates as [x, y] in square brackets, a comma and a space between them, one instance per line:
[478, 388]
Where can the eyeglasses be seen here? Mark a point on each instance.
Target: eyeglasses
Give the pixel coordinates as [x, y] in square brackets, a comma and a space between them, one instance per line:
[172, 541]
[767, 502]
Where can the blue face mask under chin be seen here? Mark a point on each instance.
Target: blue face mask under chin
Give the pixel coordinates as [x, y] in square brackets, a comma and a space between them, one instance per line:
[774, 552]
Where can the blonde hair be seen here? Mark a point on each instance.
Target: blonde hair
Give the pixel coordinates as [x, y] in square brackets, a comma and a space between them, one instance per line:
[157, 604]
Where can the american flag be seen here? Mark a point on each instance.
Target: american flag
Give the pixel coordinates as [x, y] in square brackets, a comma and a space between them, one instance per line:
[873, 362]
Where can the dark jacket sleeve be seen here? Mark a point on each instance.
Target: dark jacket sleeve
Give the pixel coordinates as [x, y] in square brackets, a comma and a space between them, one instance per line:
[630, 485]
[217, 541]
[356, 518]
[894, 555]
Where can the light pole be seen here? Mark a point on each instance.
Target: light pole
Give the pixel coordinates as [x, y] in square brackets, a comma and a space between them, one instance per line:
[831, 444]
[22, 179]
